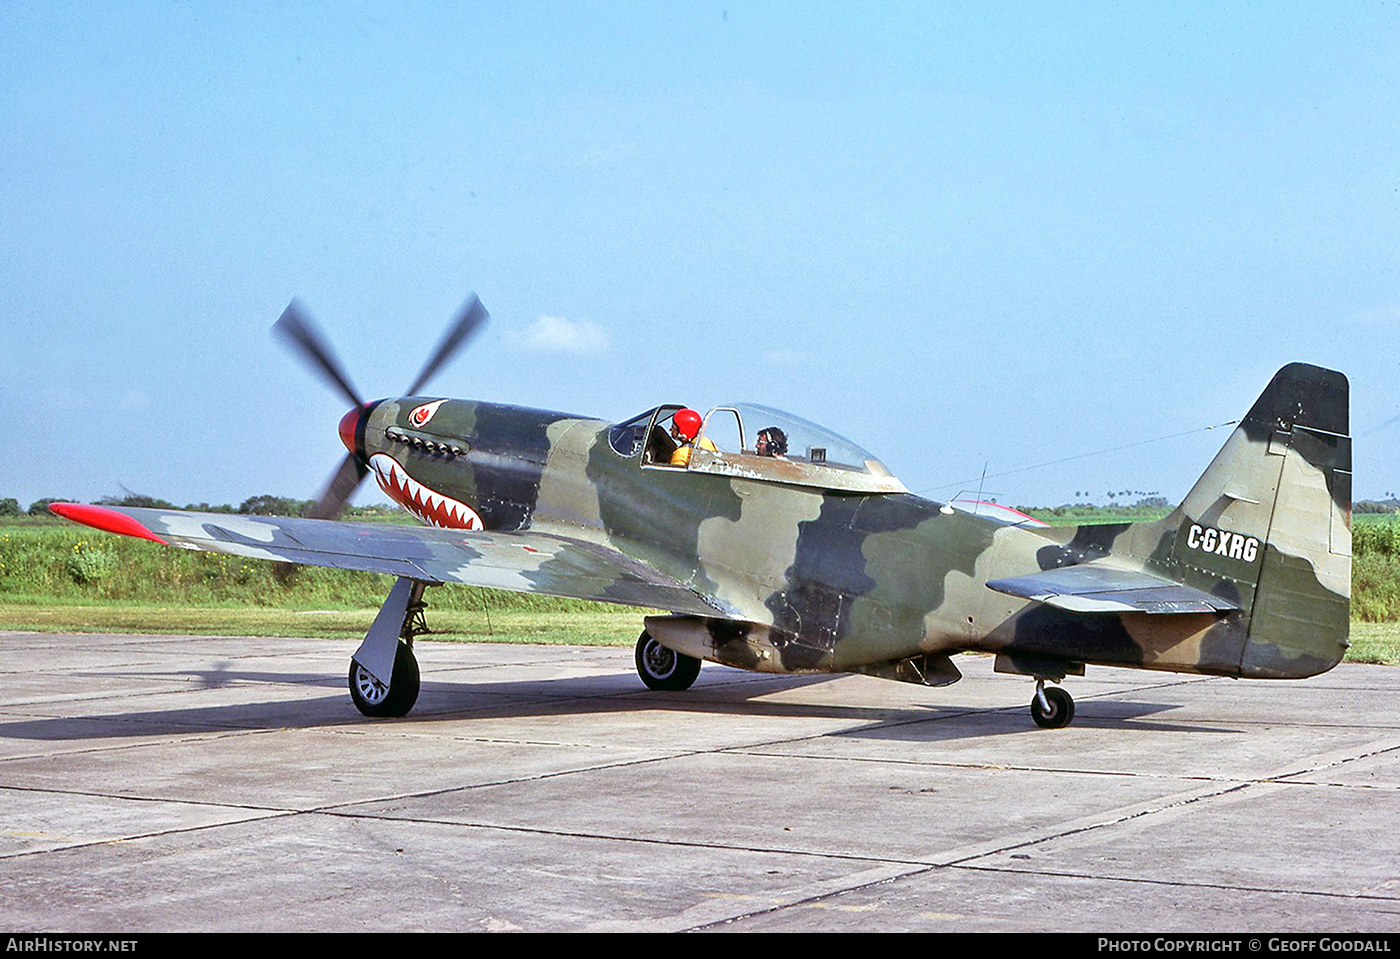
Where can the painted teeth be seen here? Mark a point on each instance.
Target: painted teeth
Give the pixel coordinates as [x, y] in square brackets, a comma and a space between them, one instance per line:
[427, 504]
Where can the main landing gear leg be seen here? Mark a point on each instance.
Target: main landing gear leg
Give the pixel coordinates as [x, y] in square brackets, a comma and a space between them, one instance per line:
[1051, 708]
[384, 677]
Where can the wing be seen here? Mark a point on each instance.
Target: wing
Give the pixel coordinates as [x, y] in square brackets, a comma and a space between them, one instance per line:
[1093, 588]
[522, 561]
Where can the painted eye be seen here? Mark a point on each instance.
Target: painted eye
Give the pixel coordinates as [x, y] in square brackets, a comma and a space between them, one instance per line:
[421, 414]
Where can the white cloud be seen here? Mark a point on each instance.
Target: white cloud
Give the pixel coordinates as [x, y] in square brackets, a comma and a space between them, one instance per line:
[554, 334]
[1385, 316]
[133, 401]
[785, 358]
[606, 156]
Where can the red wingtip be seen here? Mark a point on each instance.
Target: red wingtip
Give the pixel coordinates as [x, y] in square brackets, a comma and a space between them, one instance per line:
[100, 517]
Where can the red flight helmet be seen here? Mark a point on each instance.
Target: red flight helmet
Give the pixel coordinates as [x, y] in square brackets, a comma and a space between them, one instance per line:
[687, 423]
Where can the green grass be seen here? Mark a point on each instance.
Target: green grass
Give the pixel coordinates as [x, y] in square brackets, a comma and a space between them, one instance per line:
[1375, 588]
[1376, 534]
[1088, 515]
[66, 578]
[1374, 643]
[66, 564]
[602, 625]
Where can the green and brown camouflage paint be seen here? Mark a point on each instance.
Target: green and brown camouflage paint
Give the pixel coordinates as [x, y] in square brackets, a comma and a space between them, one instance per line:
[765, 573]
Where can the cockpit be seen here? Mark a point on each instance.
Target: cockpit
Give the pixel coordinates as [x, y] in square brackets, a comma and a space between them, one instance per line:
[754, 442]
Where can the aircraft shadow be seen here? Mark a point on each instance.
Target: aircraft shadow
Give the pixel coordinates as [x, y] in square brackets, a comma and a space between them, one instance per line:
[735, 694]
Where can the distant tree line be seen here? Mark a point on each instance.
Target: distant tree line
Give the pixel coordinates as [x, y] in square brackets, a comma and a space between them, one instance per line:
[1149, 506]
[265, 505]
[1163, 505]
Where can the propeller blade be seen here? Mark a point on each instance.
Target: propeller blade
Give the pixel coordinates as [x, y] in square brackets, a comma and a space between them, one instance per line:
[338, 491]
[469, 320]
[297, 330]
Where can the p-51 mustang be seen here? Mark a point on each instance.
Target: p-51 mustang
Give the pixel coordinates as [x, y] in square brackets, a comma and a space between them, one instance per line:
[820, 560]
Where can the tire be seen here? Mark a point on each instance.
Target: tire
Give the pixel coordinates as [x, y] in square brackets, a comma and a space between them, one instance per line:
[370, 696]
[662, 668]
[1061, 709]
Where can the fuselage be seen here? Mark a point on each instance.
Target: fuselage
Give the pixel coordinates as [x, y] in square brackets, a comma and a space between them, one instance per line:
[838, 580]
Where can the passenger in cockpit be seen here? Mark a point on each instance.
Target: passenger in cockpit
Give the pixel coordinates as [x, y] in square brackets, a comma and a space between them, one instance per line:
[771, 441]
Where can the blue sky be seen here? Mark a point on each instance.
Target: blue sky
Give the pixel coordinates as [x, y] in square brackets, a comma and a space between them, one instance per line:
[967, 236]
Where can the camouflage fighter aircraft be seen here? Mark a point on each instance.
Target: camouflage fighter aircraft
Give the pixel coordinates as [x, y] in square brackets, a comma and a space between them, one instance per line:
[820, 560]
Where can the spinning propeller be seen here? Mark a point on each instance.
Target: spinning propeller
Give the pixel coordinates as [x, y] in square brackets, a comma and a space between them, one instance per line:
[303, 337]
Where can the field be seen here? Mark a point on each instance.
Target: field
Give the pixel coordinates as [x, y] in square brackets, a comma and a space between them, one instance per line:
[59, 577]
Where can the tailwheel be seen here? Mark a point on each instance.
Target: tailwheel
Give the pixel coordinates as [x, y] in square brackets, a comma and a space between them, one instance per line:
[1051, 708]
[663, 668]
[373, 698]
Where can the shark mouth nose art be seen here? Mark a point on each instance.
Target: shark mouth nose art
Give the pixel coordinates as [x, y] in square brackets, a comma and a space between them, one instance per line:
[428, 505]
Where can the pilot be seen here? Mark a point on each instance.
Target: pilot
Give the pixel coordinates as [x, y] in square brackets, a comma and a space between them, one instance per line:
[771, 441]
[685, 426]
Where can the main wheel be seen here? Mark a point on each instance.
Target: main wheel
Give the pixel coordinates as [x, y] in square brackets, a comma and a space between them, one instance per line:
[663, 668]
[1061, 709]
[373, 698]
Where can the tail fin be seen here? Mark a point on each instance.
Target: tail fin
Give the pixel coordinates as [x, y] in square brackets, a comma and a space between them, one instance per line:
[1269, 524]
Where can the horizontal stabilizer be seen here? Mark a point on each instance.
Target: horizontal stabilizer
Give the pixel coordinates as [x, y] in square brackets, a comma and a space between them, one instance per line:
[1093, 588]
[1004, 515]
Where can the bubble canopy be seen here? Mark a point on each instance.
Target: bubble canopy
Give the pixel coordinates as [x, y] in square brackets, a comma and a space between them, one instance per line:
[727, 445]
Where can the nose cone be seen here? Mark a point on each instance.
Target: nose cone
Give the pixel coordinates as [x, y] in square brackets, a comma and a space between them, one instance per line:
[350, 428]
